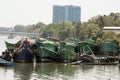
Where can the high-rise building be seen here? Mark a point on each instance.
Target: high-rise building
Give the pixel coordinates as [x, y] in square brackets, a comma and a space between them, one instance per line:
[66, 13]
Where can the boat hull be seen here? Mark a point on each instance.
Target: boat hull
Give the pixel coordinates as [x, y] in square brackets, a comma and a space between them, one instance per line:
[67, 52]
[66, 56]
[5, 62]
[10, 46]
[108, 48]
[23, 56]
[47, 51]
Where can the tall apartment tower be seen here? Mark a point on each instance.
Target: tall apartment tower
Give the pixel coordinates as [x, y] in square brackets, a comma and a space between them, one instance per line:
[66, 13]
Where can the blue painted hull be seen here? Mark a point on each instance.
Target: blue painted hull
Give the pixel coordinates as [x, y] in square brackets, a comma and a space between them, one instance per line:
[5, 62]
[24, 56]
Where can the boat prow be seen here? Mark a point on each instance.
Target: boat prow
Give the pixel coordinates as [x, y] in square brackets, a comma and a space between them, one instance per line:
[76, 63]
[24, 56]
[5, 62]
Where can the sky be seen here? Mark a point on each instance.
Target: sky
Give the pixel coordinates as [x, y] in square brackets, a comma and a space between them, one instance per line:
[25, 12]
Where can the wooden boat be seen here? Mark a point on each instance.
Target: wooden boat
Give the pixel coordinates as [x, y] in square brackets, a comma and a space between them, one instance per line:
[87, 46]
[40, 40]
[72, 41]
[108, 46]
[75, 43]
[22, 55]
[48, 51]
[10, 46]
[76, 62]
[5, 62]
[84, 59]
[10, 36]
[102, 63]
[94, 63]
[87, 60]
[45, 50]
[36, 48]
[66, 52]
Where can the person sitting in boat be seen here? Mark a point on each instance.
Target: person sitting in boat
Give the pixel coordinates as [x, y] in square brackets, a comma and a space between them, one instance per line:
[17, 45]
[25, 45]
[6, 55]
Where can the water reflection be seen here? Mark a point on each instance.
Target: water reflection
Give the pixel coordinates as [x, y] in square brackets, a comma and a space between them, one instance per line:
[119, 68]
[66, 69]
[54, 71]
[42, 71]
[6, 73]
[86, 68]
[58, 71]
[45, 68]
[23, 71]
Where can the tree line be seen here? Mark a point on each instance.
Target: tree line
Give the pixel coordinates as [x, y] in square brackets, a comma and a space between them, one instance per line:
[77, 30]
[83, 30]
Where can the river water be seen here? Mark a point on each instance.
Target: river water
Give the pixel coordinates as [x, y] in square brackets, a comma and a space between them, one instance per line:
[56, 71]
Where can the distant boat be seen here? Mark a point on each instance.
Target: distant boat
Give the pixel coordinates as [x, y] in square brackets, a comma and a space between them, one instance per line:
[10, 36]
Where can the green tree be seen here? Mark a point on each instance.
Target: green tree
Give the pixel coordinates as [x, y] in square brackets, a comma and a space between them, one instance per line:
[59, 30]
[100, 21]
[77, 26]
[19, 28]
[109, 35]
[89, 30]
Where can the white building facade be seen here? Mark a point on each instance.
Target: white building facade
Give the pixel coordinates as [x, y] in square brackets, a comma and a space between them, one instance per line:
[114, 29]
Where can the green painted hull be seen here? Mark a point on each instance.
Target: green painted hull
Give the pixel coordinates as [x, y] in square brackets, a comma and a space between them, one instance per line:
[88, 46]
[66, 56]
[47, 51]
[9, 46]
[108, 47]
[66, 53]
